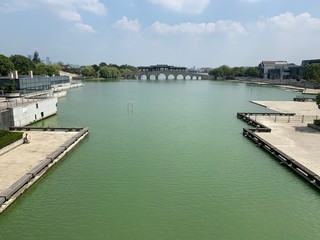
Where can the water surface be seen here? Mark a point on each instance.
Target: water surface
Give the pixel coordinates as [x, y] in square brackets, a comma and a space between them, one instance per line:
[164, 160]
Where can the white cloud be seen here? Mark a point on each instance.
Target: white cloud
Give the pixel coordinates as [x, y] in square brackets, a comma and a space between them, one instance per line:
[129, 25]
[70, 15]
[183, 6]
[300, 22]
[84, 27]
[226, 27]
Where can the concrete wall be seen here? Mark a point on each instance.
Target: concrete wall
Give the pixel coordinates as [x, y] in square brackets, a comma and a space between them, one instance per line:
[35, 111]
[6, 119]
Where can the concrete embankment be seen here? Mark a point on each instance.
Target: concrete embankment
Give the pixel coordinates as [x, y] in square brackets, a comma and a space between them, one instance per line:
[286, 135]
[25, 164]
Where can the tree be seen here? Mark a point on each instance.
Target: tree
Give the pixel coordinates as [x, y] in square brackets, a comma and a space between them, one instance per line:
[251, 72]
[6, 65]
[109, 72]
[223, 71]
[52, 70]
[312, 72]
[22, 64]
[36, 58]
[87, 71]
[40, 69]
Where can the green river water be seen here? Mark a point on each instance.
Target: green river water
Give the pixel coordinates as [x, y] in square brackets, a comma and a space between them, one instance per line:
[164, 160]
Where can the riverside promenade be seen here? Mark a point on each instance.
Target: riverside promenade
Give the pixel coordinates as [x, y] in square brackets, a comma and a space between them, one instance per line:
[290, 134]
[30, 161]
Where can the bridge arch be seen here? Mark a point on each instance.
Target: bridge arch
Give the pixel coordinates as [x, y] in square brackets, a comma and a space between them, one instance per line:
[180, 77]
[162, 76]
[171, 77]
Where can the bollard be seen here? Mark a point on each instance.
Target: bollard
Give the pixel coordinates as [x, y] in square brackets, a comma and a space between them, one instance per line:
[275, 118]
[288, 118]
[302, 119]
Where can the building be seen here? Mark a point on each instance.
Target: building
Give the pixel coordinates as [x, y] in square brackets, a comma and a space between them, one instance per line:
[27, 99]
[30, 83]
[160, 67]
[306, 62]
[279, 70]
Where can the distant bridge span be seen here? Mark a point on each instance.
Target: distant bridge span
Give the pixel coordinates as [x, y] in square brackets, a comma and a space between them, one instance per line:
[166, 74]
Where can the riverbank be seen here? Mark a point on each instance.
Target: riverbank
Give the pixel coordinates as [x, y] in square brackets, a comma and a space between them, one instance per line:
[26, 163]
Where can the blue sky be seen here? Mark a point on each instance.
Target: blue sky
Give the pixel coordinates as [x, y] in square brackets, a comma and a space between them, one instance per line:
[201, 33]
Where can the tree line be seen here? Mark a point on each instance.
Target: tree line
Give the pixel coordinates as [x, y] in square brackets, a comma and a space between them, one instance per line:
[311, 72]
[104, 70]
[226, 72]
[23, 65]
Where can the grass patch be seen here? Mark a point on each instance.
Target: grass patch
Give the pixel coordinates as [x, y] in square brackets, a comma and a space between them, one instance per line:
[7, 137]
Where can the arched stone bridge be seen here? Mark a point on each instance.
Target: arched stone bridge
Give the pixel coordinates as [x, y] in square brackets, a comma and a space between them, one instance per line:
[167, 75]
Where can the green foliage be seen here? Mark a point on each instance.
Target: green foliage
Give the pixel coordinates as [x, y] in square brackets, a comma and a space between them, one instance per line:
[6, 65]
[22, 64]
[312, 72]
[6, 137]
[87, 71]
[226, 72]
[43, 69]
[251, 72]
[109, 72]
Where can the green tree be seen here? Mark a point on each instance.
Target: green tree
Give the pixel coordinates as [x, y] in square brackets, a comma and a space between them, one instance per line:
[52, 70]
[40, 69]
[6, 65]
[96, 67]
[312, 72]
[223, 71]
[109, 72]
[22, 64]
[251, 72]
[43, 69]
[238, 71]
[87, 71]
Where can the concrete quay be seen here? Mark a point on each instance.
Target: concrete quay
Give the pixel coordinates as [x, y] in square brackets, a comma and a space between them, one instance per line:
[290, 139]
[26, 163]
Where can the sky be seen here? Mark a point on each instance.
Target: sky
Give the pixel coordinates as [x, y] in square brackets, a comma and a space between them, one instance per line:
[188, 33]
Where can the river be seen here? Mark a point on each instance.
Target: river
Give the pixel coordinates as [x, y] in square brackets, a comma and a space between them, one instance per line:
[164, 160]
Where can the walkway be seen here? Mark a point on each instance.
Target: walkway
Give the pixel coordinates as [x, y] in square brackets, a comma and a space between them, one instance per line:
[291, 135]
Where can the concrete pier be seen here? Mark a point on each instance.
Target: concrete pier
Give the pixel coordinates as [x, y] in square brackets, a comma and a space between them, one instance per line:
[23, 165]
[289, 138]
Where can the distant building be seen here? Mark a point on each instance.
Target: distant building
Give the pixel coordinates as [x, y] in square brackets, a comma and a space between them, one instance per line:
[31, 84]
[306, 62]
[160, 67]
[279, 70]
[48, 61]
[34, 98]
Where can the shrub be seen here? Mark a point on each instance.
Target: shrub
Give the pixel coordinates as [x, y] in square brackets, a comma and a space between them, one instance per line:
[6, 137]
[316, 122]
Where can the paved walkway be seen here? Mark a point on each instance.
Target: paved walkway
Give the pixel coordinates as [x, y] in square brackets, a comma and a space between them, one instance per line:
[291, 135]
[17, 162]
